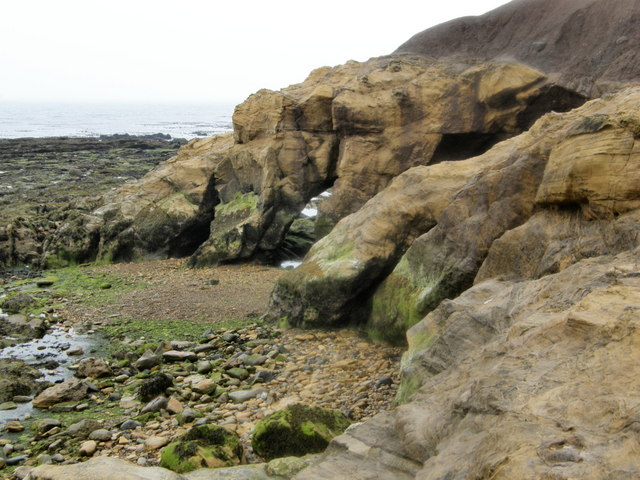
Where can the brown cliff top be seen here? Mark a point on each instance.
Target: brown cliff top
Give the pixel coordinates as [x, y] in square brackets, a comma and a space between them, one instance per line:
[587, 45]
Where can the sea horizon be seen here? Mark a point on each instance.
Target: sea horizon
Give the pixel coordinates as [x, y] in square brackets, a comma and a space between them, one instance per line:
[39, 119]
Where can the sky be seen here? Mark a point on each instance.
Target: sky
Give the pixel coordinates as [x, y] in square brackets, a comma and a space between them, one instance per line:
[196, 50]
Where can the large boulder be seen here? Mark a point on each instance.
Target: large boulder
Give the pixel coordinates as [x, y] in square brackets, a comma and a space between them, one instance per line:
[353, 128]
[582, 161]
[297, 430]
[17, 378]
[205, 446]
[67, 391]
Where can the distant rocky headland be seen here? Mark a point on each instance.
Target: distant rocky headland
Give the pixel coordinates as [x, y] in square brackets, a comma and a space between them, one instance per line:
[484, 214]
[44, 180]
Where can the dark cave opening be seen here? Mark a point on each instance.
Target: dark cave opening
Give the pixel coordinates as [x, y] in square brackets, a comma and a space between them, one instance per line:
[460, 146]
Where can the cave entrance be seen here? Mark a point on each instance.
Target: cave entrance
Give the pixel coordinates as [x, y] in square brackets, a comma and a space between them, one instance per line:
[460, 146]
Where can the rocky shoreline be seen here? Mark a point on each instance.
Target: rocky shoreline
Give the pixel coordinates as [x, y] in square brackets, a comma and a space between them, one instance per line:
[44, 180]
[231, 377]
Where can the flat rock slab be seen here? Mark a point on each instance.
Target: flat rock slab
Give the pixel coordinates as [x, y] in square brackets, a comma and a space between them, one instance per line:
[102, 468]
[178, 356]
[242, 472]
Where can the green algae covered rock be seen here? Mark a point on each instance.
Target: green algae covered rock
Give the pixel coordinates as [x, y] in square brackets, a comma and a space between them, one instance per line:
[205, 446]
[297, 430]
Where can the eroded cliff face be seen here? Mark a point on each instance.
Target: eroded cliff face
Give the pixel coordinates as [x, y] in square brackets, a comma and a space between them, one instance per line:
[426, 237]
[530, 372]
[354, 128]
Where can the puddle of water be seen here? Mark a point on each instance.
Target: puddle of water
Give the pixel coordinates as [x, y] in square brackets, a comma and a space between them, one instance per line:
[52, 347]
[290, 264]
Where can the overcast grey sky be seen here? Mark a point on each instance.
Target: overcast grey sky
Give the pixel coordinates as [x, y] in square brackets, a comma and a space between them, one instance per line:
[196, 50]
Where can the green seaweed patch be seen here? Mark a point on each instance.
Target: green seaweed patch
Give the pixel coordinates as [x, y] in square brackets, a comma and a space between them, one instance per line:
[205, 446]
[296, 431]
[153, 331]
[240, 203]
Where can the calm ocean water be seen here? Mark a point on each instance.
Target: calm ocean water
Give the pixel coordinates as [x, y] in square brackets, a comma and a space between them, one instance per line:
[92, 120]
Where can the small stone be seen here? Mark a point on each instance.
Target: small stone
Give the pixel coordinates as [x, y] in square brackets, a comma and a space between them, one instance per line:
[57, 458]
[174, 406]
[75, 351]
[181, 344]
[45, 282]
[129, 402]
[286, 466]
[155, 385]
[142, 461]
[15, 460]
[21, 472]
[255, 360]
[22, 399]
[93, 367]
[240, 396]
[178, 356]
[14, 426]
[47, 424]
[8, 406]
[188, 415]
[105, 286]
[88, 448]
[204, 366]
[155, 405]
[130, 425]
[156, 442]
[205, 347]
[83, 428]
[149, 359]
[205, 386]
[44, 459]
[230, 337]
[238, 373]
[100, 435]
[384, 380]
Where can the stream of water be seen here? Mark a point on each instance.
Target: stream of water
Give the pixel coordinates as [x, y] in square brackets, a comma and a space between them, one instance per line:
[49, 355]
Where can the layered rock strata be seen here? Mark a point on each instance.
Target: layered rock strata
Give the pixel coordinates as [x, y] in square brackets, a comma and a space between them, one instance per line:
[353, 128]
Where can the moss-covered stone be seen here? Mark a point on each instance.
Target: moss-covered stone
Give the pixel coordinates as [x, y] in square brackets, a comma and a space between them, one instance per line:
[297, 430]
[205, 446]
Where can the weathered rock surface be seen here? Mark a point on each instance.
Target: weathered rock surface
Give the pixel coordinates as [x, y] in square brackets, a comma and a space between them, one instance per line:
[353, 127]
[297, 430]
[528, 370]
[203, 446]
[93, 367]
[69, 390]
[574, 162]
[17, 378]
[102, 468]
[586, 45]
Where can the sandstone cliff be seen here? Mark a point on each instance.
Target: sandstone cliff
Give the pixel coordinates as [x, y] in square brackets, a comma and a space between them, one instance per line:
[353, 128]
[531, 371]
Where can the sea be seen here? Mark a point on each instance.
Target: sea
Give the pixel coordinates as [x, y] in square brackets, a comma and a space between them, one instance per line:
[32, 119]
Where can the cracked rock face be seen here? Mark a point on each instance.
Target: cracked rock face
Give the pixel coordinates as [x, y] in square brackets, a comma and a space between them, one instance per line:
[354, 128]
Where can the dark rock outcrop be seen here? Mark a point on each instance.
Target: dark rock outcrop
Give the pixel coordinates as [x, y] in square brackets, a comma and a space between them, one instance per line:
[586, 45]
